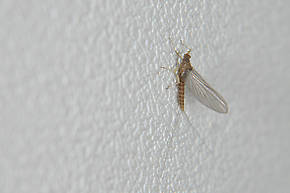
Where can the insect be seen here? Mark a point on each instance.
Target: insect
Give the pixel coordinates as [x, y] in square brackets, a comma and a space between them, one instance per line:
[187, 76]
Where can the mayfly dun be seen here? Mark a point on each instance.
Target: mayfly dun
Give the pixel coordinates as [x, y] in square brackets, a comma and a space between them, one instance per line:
[187, 76]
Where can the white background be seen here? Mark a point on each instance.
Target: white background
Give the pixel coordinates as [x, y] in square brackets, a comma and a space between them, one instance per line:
[83, 108]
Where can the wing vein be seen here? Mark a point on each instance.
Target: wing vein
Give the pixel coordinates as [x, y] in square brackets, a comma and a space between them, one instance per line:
[205, 94]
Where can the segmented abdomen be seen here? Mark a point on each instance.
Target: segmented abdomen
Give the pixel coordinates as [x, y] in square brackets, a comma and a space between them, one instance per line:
[181, 95]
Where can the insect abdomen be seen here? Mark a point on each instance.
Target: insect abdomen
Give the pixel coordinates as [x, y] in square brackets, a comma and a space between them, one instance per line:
[181, 95]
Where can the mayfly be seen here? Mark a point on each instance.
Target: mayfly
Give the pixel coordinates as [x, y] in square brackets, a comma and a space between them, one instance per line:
[203, 92]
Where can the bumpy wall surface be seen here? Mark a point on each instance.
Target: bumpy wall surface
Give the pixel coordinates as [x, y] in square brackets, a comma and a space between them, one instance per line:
[84, 105]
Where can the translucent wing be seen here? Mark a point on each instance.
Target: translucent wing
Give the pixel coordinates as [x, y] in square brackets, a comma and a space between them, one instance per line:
[204, 93]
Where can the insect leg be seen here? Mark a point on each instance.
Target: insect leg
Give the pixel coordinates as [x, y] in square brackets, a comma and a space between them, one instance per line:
[178, 54]
[171, 43]
[189, 49]
[174, 71]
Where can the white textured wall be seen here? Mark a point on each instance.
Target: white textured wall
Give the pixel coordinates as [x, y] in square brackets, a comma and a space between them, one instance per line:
[82, 108]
